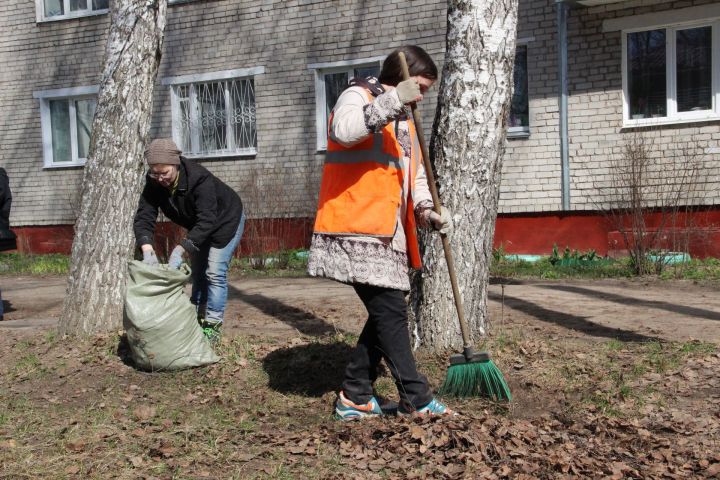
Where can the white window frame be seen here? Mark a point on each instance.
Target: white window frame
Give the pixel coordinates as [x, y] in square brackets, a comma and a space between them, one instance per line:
[44, 96]
[319, 72]
[673, 116]
[89, 12]
[237, 74]
[523, 132]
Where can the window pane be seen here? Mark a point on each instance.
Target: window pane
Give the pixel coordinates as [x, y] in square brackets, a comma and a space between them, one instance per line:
[519, 107]
[335, 83]
[54, 8]
[242, 95]
[646, 74]
[60, 127]
[364, 72]
[84, 110]
[100, 4]
[76, 5]
[182, 92]
[694, 74]
[213, 119]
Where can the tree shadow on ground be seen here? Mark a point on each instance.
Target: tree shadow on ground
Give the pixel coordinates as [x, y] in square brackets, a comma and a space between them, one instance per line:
[311, 370]
[572, 322]
[303, 321]
[637, 302]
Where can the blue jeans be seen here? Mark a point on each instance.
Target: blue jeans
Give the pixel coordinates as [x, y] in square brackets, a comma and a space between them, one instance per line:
[209, 277]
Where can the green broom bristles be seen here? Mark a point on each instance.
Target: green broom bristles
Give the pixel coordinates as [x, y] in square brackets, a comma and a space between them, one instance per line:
[475, 379]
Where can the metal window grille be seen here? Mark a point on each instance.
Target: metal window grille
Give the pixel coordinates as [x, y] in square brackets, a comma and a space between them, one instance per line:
[216, 118]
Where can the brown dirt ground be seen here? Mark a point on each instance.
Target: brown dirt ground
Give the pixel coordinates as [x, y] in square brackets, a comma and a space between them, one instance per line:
[630, 310]
[610, 379]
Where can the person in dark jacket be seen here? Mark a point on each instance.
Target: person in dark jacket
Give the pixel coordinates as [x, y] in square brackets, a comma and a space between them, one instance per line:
[7, 237]
[192, 197]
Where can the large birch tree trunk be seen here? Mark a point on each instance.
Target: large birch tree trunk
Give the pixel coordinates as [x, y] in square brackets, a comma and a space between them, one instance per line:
[113, 173]
[468, 145]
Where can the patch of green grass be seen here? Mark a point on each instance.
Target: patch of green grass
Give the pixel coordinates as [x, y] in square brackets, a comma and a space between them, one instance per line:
[385, 386]
[237, 349]
[502, 339]
[700, 348]
[27, 264]
[24, 344]
[51, 337]
[660, 357]
[543, 268]
[284, 263]
[700, 269]
[615, 345]
[28, 364]
[697, 269]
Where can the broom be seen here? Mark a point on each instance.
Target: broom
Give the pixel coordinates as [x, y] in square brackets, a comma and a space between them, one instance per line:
[470, 373]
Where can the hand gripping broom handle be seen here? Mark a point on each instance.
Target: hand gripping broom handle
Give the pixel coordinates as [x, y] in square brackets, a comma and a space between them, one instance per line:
[436, 206]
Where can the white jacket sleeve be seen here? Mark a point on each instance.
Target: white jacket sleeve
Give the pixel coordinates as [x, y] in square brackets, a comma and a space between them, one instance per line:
[355, 117]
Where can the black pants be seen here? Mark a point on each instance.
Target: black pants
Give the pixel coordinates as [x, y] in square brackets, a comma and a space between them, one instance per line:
[385, 335]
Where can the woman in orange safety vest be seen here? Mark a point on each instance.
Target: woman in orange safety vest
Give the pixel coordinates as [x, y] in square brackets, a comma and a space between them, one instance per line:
[373, 192]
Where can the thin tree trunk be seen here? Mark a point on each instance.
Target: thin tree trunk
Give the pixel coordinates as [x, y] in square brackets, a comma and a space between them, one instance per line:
[113, 173]
[468, 146]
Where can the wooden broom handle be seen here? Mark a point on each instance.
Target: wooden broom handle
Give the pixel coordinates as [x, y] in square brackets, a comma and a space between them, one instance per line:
[436, 206]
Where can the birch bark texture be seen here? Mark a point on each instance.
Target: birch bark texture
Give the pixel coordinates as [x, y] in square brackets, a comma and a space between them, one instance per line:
[112, 179]
[467, 152]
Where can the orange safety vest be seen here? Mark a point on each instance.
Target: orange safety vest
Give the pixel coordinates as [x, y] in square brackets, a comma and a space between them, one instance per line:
[361, 187]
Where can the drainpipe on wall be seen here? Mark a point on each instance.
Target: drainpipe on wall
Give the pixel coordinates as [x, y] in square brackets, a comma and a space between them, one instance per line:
[563, 10]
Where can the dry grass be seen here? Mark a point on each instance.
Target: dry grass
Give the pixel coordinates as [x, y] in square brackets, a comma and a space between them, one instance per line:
[74, 409]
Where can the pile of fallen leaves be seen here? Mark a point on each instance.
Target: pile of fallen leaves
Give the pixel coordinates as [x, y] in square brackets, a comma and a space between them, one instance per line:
[496, 447]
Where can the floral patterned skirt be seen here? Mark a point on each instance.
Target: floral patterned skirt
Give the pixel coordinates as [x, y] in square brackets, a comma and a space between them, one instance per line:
[358, 260]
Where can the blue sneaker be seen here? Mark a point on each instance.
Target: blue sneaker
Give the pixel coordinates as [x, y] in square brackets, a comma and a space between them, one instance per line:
[435, 407]
[347, 410]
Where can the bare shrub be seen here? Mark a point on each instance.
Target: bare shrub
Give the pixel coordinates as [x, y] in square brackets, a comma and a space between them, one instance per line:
[653, 199]
[273, 231]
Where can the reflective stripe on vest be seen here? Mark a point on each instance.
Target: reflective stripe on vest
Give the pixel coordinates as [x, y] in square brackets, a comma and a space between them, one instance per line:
[376, 152]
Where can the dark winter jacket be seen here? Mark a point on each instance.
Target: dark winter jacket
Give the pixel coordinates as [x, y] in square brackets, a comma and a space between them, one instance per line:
[7, 237]
[204, 205]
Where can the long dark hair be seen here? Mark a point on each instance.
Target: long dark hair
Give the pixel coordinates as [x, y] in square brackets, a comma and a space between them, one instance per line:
[418, 60]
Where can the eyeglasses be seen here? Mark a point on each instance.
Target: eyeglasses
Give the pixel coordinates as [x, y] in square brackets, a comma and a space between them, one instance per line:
[159, 175]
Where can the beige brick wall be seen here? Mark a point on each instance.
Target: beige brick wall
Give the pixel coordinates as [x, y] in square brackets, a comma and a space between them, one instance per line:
[203, 36]
[531, 174]
[286, 36]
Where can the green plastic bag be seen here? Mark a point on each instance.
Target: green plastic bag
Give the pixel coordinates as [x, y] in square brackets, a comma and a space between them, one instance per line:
[160, 322]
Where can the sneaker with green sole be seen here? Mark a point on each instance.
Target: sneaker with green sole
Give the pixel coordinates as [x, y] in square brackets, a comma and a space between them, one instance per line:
[212, 331]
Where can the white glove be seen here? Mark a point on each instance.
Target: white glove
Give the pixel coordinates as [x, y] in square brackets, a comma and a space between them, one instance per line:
[443, 222]
[149, 258]
[408, 91]
[176, 257]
